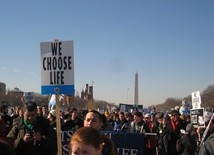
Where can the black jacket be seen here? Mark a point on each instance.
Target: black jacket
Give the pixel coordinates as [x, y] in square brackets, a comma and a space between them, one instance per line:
[172, 136]
[189, 144]
[47, 145]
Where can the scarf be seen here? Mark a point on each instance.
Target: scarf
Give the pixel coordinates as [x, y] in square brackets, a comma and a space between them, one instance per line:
[174, 124]
[28, 125]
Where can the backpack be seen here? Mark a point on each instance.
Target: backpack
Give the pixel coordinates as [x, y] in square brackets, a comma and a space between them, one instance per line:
[179, 146]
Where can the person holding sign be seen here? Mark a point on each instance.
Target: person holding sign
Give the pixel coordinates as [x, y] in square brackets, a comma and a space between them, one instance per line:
[33, 135]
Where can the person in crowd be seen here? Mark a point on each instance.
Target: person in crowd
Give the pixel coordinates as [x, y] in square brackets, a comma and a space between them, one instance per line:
[154, 111]
[121, 123]
[188, 141]
[167, 117]
[20, 116]
[107, 121]
[16, 112]
[124, 123]
[67, 123]
[7, 119]
[6, 149]
[155, 122]
[33, 134]
[73, 122]
[173, 127]
[66, 118]
[188, 118]
[78, 122]
[93, 119]
[207, 147]
[162, 142]
[39, 110]
[137, 124]
[129, 117]
[62, 115]
[116, 124]
[10, 111]
[151, 140]
[52, 118]
[115, 119]
[3, 127]
[84, 142]
[107, 125]
[45, 111]
[183, 118]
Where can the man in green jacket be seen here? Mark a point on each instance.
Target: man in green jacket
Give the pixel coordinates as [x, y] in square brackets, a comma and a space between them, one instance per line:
[33, 134]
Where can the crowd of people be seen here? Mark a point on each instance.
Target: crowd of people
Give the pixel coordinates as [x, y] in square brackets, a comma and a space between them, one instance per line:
[31, 129]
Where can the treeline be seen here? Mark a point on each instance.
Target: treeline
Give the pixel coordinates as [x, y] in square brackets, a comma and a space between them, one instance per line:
[207, 100]
[76, 102]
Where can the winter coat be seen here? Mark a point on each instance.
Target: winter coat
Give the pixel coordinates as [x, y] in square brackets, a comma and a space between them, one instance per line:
[189, 144]
[136, 126]
[172, 137]
[47, 145]
[208, 147]
[162, 140]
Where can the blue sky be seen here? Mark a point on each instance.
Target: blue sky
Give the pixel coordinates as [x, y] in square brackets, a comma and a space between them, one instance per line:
[169, 43]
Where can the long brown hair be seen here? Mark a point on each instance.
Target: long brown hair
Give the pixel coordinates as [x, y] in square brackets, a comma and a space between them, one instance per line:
[91, 136]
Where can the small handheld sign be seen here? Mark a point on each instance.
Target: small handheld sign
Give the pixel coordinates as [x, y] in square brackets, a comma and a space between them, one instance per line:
[197, 117]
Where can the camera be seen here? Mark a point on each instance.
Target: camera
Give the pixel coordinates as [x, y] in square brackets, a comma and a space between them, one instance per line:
[31, 132]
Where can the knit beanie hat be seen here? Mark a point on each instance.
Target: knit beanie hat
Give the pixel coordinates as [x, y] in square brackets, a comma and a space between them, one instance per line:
[189, 128]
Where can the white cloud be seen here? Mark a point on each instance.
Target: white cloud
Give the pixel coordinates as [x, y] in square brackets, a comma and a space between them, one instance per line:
[17, 71]
[3, 68]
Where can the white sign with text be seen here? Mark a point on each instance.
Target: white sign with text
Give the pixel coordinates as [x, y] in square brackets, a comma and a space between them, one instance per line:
[196, 100]
[57, 67]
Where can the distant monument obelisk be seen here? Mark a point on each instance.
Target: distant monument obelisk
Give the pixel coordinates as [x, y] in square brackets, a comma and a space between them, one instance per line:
[136, 91]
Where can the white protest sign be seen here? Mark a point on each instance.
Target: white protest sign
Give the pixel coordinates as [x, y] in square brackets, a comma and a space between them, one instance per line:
[196, 100]
[57, 67]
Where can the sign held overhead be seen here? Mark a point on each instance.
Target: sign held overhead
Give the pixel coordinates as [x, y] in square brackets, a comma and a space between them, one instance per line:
[57, 67]
[196, 100]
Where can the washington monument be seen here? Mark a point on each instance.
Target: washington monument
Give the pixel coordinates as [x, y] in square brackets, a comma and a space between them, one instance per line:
[136, 91]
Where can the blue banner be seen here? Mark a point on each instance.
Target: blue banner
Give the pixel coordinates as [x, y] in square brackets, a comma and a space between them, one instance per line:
[58, 89]
[125, 143]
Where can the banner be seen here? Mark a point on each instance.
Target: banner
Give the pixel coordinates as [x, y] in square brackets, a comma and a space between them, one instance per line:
[125, 143]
